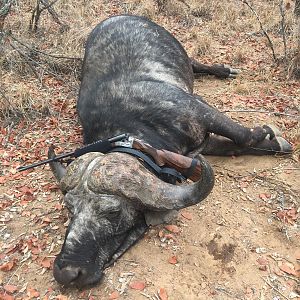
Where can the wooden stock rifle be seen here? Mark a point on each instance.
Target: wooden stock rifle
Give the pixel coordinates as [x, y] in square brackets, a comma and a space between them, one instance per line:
[189, 167]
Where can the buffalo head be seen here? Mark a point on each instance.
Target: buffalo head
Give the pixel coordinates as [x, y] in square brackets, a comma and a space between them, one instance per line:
[108, 197]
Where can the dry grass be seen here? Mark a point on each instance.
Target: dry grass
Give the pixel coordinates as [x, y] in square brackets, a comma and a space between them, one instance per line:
[203, 26]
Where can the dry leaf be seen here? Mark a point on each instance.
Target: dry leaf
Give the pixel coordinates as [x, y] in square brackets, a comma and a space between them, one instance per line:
[114, 295]
[61, 297]
[162, 294]
[264, 196]
[288, 268]
[10, 288]
[46, 263]
[161, 234]
[58, 206]
[278, 272]
[187, 215]
[4, 296]
[170, 236]
[173, 260]
[262, 261]
[288, 215]
[7, 266]
[46, 220]
[137, 285]
[82, 295]
[173, 228]
[32, 293]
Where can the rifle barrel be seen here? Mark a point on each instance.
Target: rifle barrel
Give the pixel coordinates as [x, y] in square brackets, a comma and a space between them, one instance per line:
[70, 154]
[46, 161]
[118, 137]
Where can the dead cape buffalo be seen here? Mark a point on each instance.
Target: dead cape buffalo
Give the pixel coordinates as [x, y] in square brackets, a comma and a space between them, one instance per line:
[138, 79]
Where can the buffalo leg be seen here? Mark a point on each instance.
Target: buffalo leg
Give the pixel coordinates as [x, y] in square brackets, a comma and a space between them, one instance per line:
[133, 236]
[218, 70]
[219, 145]
[220, 124]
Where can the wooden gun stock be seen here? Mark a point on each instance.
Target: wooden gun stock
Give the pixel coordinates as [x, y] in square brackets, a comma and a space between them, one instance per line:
[188, 167]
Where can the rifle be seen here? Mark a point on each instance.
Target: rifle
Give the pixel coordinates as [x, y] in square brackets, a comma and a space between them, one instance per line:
[99, 146]
[189, 167]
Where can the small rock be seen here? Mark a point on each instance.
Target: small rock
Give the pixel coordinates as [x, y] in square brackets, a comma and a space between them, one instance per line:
[263, 268]
[261, 250]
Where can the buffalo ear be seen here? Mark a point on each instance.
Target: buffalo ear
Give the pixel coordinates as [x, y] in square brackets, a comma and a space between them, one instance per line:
[57, 168]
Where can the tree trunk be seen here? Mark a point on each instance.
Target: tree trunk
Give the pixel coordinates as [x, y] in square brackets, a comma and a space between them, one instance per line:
[295, 66]
[4, 10]
[297, 8]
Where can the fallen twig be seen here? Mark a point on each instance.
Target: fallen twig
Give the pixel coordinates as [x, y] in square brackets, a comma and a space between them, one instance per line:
[43, 53]
[275, 113]
[145, 295]
[291, 277]
[274, 288]
[10, 127]
[31, 63]
[52, 12]
[15, 272]
[226, 292]
[28, 60]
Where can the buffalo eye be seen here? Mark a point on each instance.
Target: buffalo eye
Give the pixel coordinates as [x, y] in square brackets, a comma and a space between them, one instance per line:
[112, 214]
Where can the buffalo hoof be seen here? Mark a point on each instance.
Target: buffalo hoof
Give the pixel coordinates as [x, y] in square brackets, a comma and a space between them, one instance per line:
[226, 71]
[285, 146]
[274, 129]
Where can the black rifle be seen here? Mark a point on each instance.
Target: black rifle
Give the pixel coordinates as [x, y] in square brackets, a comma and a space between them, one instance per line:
[99, 146]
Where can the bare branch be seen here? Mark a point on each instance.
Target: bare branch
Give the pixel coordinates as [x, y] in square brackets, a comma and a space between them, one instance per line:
[4, 11]
[35, 17]
[32, 63]
[36, 13]
[283, 25]
[275, 113]
[51, 10]
[262, 29]
[43, 53]
[28, 60]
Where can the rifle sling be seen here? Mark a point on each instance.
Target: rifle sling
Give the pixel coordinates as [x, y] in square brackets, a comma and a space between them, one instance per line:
[191, 169]
[169, 175]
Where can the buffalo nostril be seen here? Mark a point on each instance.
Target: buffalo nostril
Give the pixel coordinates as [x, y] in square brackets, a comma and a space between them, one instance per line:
[66, 275]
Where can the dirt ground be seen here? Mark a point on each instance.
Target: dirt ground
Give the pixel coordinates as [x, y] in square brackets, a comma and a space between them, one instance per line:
[242, 242]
